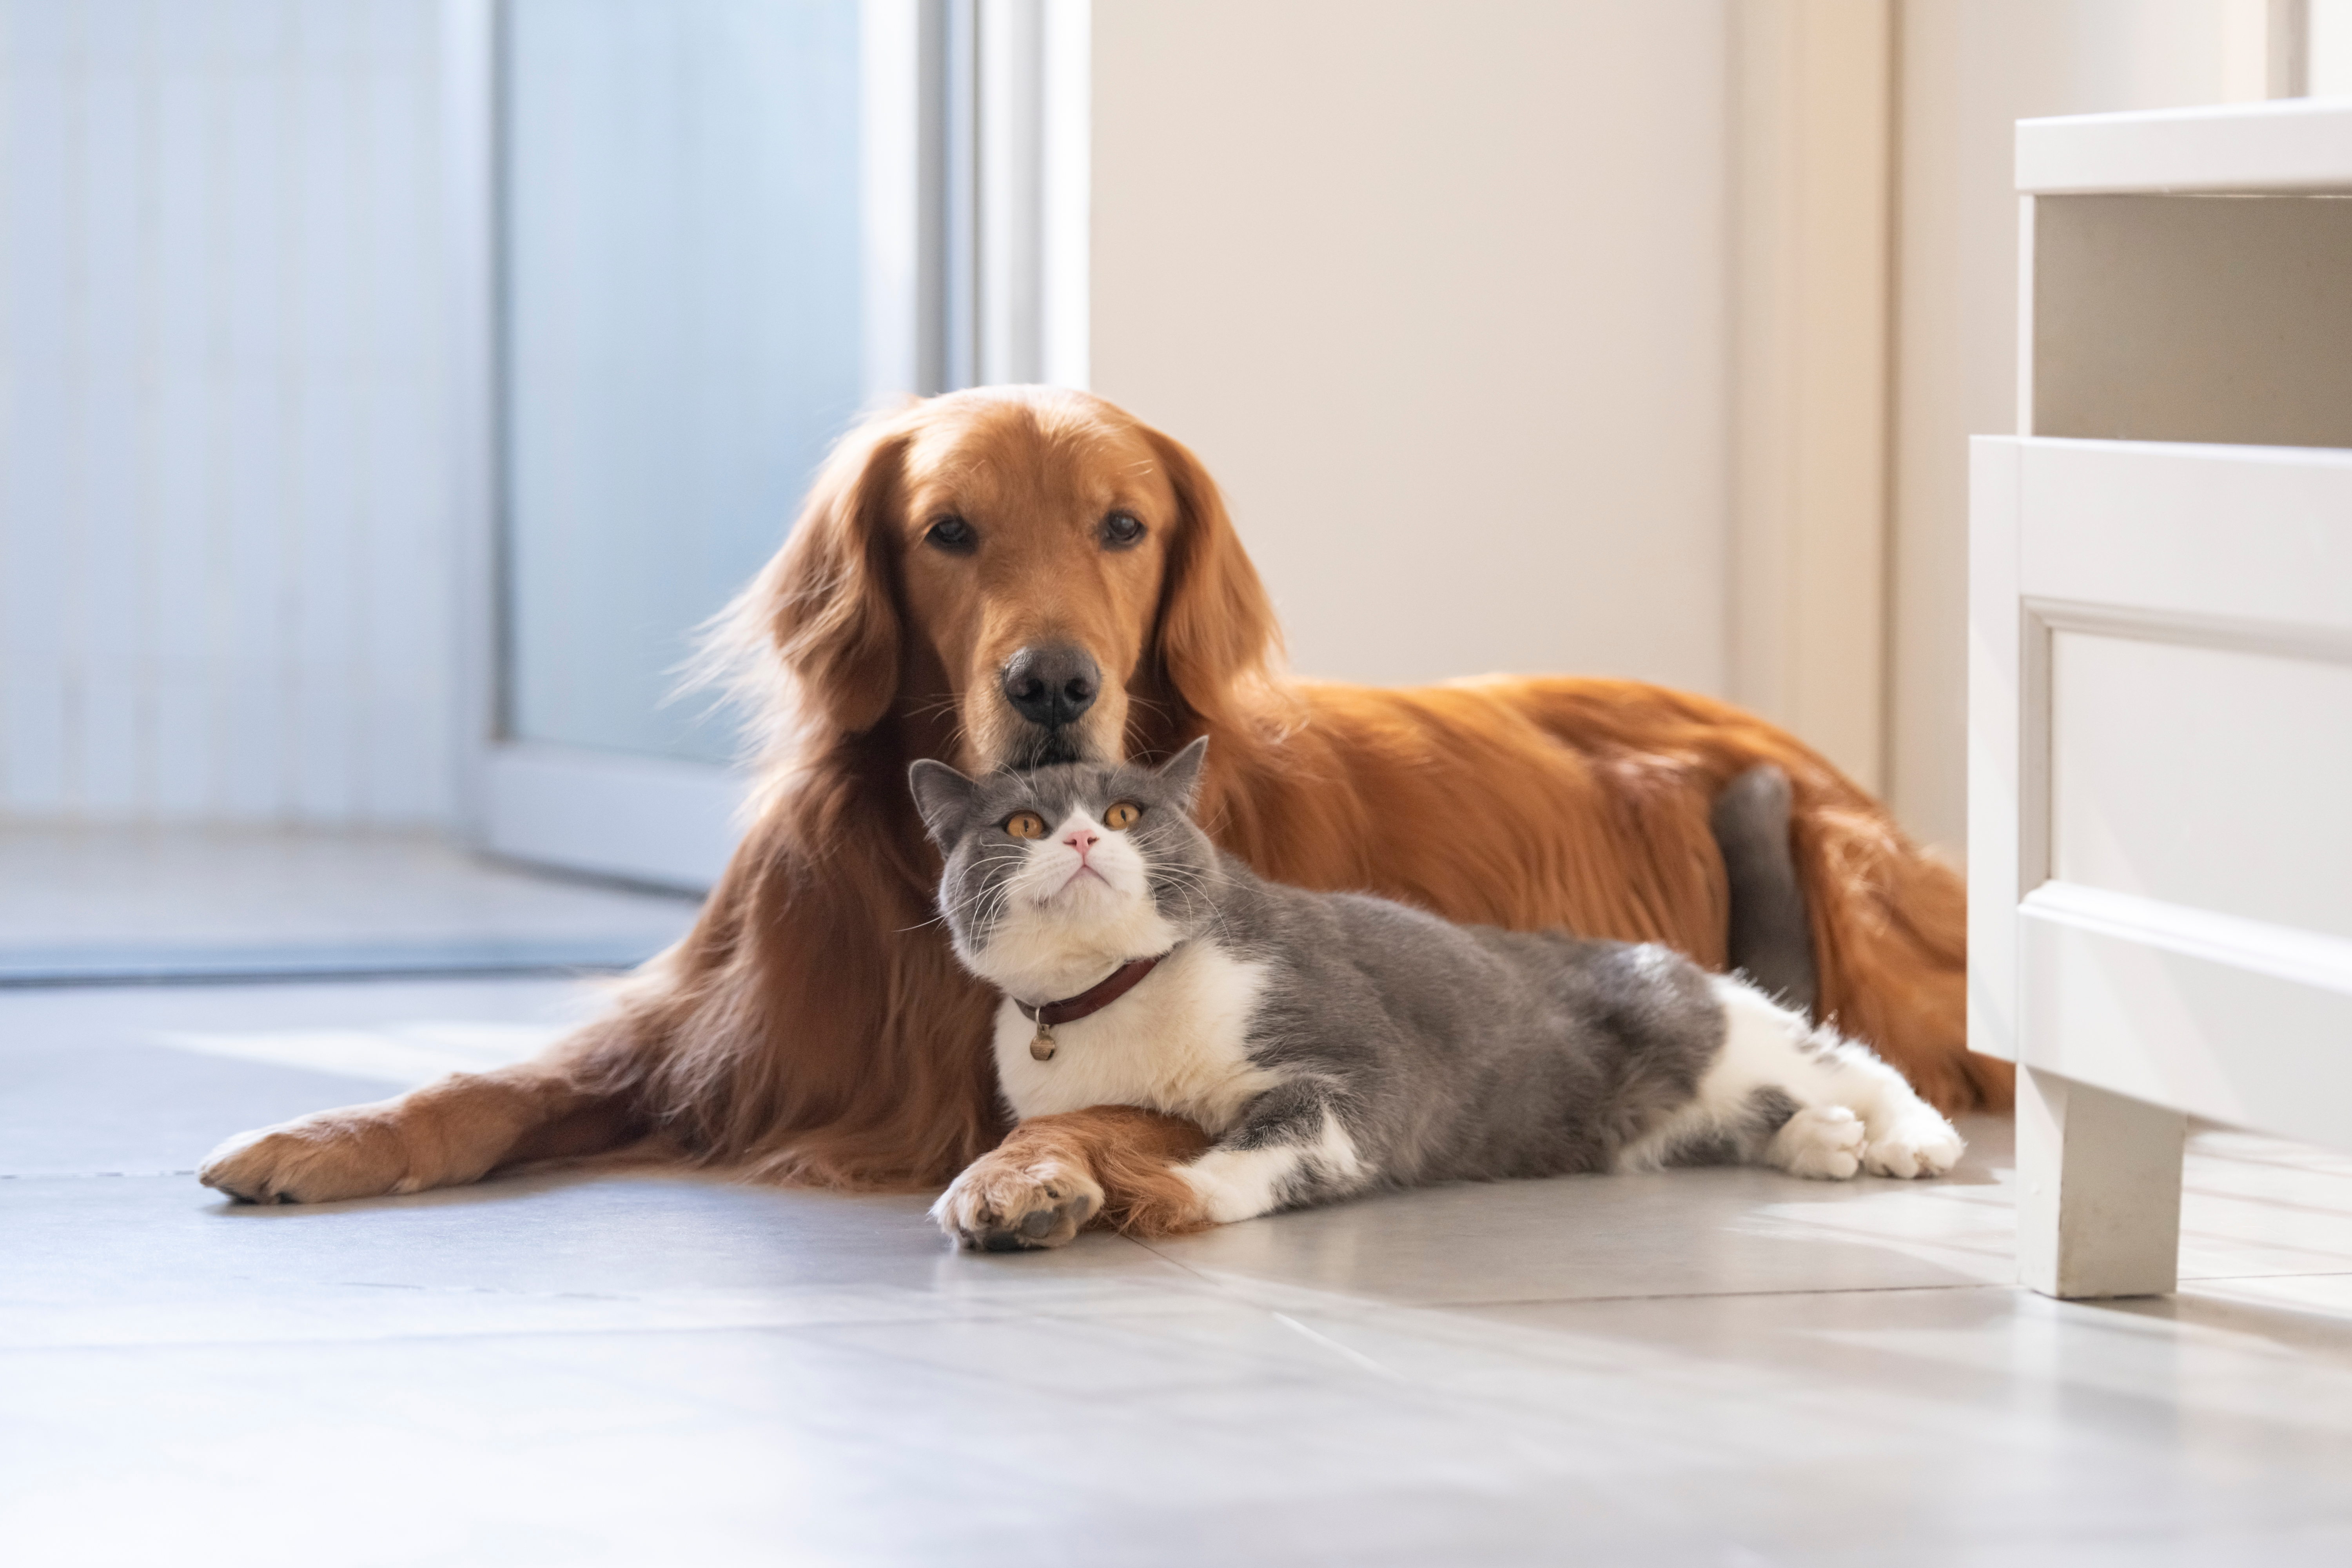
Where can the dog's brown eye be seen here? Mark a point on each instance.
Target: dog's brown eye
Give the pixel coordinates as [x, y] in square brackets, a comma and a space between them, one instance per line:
[952, 534]
[1121, 815]
[1121, 527]
[1025, 825]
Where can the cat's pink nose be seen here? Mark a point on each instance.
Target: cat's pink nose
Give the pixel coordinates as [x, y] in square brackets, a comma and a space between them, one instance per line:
[1081, 840]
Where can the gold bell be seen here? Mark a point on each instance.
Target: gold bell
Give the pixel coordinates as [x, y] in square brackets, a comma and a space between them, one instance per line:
[1042, 1047]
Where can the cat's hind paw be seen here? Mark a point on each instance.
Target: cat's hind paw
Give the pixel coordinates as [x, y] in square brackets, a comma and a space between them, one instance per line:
[1823, 1143]
[1003, 1203]
[1921, 1144]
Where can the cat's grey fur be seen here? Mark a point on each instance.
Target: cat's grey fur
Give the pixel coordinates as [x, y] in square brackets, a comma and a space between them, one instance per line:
[1370, 1044]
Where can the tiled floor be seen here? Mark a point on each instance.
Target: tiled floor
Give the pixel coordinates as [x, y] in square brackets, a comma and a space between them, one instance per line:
[1717, 1367]
[127, 903]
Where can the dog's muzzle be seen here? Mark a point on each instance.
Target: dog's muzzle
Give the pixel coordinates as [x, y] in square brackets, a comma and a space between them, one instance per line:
[1052, 687]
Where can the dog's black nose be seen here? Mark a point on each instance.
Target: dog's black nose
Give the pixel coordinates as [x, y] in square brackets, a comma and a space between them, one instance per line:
[1051, 686]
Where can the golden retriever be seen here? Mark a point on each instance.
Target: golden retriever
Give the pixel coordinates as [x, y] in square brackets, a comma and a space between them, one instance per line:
[1012, 576]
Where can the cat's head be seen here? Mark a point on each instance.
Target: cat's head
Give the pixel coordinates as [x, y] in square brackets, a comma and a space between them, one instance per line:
[1063, 871]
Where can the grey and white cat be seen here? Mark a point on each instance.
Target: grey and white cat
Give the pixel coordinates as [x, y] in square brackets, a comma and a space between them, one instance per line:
[1332, 1044]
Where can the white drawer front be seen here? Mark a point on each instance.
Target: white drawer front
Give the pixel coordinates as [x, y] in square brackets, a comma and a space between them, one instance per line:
[2203, 776]
[2248, 535]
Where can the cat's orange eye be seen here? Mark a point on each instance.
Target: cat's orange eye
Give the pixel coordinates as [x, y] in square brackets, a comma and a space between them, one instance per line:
[1025, 825]
[1121, 815]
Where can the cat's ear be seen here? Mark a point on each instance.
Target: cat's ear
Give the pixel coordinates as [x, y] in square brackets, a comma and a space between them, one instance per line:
[942, 796]
[1182, 773]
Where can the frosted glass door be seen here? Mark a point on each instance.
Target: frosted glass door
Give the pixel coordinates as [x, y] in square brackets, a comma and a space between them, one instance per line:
[681, 275]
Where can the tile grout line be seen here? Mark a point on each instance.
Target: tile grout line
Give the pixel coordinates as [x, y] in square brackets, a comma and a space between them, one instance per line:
[1715, 1295]
[88, 1175]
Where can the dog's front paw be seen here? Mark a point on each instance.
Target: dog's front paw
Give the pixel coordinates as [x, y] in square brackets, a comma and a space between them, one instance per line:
[337, 1154]
[1005, 1204]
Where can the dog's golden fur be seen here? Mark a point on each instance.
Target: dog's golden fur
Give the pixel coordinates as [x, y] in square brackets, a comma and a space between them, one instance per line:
[814, 1027]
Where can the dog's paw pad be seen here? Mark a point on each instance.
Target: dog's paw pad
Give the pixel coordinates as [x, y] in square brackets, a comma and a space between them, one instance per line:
[1001, 1206]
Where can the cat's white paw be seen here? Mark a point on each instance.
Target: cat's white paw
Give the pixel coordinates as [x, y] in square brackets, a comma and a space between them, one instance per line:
[1823, 1143]
[1921, 1143]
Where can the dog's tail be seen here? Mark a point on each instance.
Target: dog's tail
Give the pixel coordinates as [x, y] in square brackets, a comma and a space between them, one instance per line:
[1770, 936]
[1890, 926]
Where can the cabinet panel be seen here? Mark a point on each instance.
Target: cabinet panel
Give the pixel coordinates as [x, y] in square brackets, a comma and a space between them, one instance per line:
[2203, 776]
[2260, 537]
[2199, 1032]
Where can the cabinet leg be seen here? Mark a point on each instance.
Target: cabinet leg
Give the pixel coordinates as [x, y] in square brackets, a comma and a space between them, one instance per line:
[2099, 1190]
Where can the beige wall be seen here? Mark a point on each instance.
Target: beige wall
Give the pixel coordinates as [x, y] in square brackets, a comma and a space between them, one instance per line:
[1446, 296]
[1812, 132]
[1968, 69]
[1439, 293]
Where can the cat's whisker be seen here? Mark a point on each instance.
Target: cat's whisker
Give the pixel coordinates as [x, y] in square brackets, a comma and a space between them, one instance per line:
[993, 858]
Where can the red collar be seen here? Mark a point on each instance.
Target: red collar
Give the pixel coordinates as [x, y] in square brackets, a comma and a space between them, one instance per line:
[1095, 997]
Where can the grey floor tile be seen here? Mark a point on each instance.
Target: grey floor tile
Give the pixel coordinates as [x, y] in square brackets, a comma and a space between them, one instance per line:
[1702, 1367]
[94, 902]
[1677, 1232]
[1976, 1422]
[161, 1260]
[151, 1078]
[1836, 1430]
[2256, 1205]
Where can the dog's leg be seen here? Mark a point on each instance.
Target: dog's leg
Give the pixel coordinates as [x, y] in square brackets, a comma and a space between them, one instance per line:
[1054, 1175]
[457, 1131]
[1150, 1175]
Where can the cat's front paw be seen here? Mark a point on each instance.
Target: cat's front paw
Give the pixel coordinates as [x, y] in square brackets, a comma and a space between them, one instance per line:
[1921, 1144]
[1005, 1204]
[1825, 1142]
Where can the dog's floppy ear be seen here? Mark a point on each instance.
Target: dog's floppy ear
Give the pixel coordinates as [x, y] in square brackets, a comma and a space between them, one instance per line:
[1216, 626]
[1182, 773]
[829, 601]
[942, 796]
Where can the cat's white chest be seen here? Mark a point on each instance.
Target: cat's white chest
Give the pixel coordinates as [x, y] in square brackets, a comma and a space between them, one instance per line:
[1175, 1043]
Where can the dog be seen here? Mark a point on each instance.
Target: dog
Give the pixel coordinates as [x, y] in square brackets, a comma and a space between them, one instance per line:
[1010, 577]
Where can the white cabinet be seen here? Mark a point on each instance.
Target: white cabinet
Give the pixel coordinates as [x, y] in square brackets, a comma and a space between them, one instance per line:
[2160, 670]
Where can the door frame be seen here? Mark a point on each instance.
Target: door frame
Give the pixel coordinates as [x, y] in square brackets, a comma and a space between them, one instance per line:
[977, 127]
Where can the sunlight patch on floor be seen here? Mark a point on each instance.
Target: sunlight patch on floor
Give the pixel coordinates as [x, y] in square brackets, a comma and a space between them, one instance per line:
[407, 1054]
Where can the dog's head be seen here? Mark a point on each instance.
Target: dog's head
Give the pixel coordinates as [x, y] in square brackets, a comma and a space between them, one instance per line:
[1024, 576]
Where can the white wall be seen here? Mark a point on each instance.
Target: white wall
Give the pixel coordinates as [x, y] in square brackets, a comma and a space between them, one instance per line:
[224, 570]
[2329, 63]
[1439, 294]
[1968, 69]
